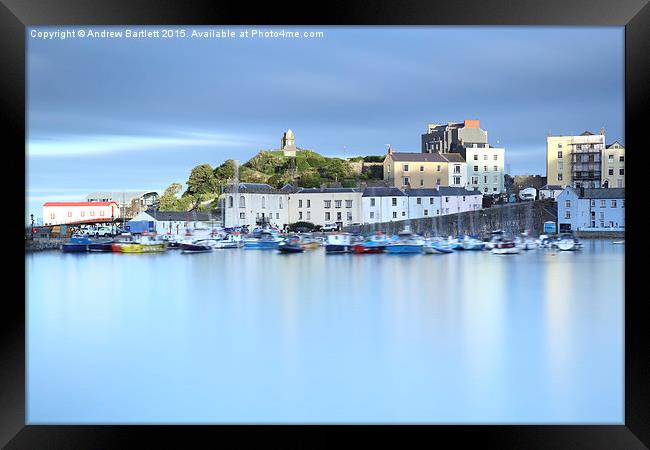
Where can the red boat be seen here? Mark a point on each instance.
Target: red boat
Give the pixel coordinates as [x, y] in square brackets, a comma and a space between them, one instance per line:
[362, 248]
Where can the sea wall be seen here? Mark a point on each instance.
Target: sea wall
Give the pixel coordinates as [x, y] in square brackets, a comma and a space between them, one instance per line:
[37, 245]
[512, 218]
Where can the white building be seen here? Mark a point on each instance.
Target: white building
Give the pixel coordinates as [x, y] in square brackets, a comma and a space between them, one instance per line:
[130, 202]
[485, 168]
[441, 201]
[550, 191]
[529, 193]
[341, 206]
[57, 213]
[598, 209]
[383, 204]
[176, 222]
[249, 204]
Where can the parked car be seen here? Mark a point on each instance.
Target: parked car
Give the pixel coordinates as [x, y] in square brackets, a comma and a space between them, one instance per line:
[329, 227]
[100, 231]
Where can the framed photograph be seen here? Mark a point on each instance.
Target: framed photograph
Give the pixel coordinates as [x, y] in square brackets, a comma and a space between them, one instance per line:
[405, 215]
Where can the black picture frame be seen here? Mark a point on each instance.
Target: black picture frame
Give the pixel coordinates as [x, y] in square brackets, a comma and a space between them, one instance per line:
[634, 15]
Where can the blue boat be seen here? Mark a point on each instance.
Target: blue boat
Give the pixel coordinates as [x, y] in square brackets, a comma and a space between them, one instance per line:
[101, 246]
[339, 243]
[76, 244]
[266, 240]
[405, 243]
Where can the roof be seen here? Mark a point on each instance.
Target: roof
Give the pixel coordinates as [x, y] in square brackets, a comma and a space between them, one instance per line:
[455, 191]
[382, 192]
[326, 190]
[551, 187]
[253, 187]
[126, 196]
[453, 157]
[587, 133]
[418, 157]
[604, 193]
[79, 203]
[179, 216]
[614, 143]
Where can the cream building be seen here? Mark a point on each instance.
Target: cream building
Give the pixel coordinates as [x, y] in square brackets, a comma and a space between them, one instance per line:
[341, 206]
[613, 166]
[247, 204]
[425, 170]
[575, 160]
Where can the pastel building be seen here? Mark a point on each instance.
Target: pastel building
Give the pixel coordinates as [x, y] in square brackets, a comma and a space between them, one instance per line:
[575, 160]
[595, 209]
[550, 191]
[424, 170]
[320, 206]
[248, 204]
[58, 213]
[441, 201]
[383, 204]
[613, 166]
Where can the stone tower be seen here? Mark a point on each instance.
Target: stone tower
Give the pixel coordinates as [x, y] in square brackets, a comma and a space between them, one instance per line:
[288, 143]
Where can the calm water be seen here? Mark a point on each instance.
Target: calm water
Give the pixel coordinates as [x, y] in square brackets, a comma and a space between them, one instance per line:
[255, 336]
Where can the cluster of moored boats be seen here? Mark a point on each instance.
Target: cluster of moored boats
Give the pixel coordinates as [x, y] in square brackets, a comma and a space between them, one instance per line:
[404, 242]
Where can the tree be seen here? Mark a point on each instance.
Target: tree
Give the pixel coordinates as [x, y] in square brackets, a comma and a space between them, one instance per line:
[202, 180]
[169, 199]
[225, 171]
[310, 180]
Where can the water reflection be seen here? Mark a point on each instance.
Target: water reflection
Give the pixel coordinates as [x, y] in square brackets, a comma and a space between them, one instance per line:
[253, 336]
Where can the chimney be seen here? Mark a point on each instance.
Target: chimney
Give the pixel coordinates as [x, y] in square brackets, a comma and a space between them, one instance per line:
[602, 131]
[472, 123]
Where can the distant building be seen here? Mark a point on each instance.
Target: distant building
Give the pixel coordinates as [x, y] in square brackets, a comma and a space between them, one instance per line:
[424, 170]
[253, 203]
[444, 138]
[613, 166]
[384, 204]
[550, 191]
[288, 143]
[130, 202]
[321, 206]
[176, 222]
[529, 193]
[575, 161]
[595, 209]
[57, 213]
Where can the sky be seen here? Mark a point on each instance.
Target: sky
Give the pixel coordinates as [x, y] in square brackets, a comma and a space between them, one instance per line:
[128, 114]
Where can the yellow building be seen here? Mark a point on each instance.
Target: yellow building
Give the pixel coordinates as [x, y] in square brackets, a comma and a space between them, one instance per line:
[613, 167]
[425, 170]
[575, 160]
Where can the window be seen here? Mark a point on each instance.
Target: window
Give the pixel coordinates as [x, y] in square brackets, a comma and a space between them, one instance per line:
[485, 169]
[349, 216]
[394, 201]
[263, 202]
[438, 181]
[446, 199]
[496, 168]
[446, 210]
[496, 157]
[299, 203]
[601, 216]
[602, 203]
[426, 212]
[610, 171]
[328, 203]
[567, 214]
[593, 203]
[559, 177]
[475, 157]
[457, 168]
[494, 189]
[280, 202]
[92, 213]
[405, 181]
[337, 203]
[242, 202]
[421, 182]
[484, 157]
[230, 201]
[338, 215]
[372, 202]
[559, 154]
[308, 203]
[613, 203]
[403, 213]
[474, 180]
[101, 212]
[437, 212]
[610, 158]
[421, 168]
[485, 190]
[559, 145]
[431, 200]
[308, 215]
[567, 204]
[438, 168]
[496, 179]
[299, 215]
[405, 167]
[348, 203]
[622, 206]
[619, 183]
[327, 216]
[621, 171]
[485, 179]
[242, 215]
[418, 201]
[394, 214]
[621, 158]
[372, 214]
[83, 213]
[69, 213]
[456, 180]
[475, 168]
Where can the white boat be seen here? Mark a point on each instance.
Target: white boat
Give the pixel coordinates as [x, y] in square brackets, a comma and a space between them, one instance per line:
[436, 246]
[406, 242]
[618, 242]
[472, 243]
[229, 241]
[505, 247]
[568, 243]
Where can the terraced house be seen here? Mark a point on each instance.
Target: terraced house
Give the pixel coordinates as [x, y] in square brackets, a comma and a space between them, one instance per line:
[320, 206]
[424, 170]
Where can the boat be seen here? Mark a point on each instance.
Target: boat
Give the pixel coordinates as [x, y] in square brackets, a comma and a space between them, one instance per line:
[146, 244]
[568, 242]
[505, 246]
[309, 244]
[472, 243]
[406, 243]
[527, 242]
[436, 246]
[265, 239]
[495, 236]
[290, 245]
[375, 244]
[198, 246]
[229, 241]
[101, 246]
[455, 243]
[76, 244]
[338, 243]
[545, 241]
[618, 242]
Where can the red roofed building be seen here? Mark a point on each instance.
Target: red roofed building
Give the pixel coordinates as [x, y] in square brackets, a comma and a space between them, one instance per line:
[57, 213]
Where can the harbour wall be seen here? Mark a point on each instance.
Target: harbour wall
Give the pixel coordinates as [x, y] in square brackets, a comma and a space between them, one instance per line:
[37, 245]
[512, 218]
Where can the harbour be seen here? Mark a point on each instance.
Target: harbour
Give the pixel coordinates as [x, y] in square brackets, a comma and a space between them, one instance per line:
[253, 336]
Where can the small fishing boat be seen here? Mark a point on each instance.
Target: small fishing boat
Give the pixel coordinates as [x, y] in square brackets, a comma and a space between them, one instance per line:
[545, 241]
[495, 236]
[568, 242]
[618, 242]
[505, 247]
[76, 244]
[266, 239]
[472, 243]
[309, 243]
[436, 246]
[229, 241]
[339, 243]
[291, 245]
[198, 246]
[406, 243]
[375, 244]
[101, 246]
[146, 244]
